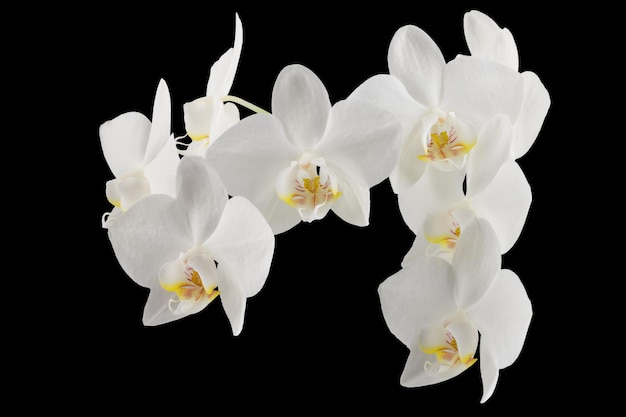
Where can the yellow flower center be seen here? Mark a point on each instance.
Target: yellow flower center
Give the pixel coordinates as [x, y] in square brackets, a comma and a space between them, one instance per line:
[191, 288]
[448, 141]
[448, 354]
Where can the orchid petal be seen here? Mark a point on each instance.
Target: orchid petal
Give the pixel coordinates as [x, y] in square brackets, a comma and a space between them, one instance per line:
[124, 140]
[416, 60]
[505, 203]
[476, 260]
[364, 140]
[300, 101]
[161, 171]
[227, 116]
[414, 374]
[251, 154]
[410, 167]
[353, 205]
[485, 39]
[417, 296]
[201, 191]
[130, 190]
[492, 150]
[244, 241]
[198, 117]
[534, 110]
[222, 73]
[476, 89]
[160, 130]
[388, 92]
[489, 371]
[280, 216]
[434, 192]
[416, 251]
[480, 30]
[503, 317]
[231, 292]
[157, 311]
[149, 234]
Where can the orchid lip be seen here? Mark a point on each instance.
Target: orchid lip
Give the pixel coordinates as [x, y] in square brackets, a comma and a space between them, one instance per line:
[447, 142]
[309, 186]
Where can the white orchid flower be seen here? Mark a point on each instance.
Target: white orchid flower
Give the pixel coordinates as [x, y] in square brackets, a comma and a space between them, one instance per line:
[444, 106]
[442, 310]
[141, 154]
[193, 247]
[436, 206]
[308, 156]
[485, 39]
[206, 118]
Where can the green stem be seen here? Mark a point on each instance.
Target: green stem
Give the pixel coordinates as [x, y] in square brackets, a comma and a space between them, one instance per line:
[245, 104]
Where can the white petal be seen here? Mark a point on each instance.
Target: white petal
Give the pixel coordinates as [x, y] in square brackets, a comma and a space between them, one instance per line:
[231, 292]
[223, 71]
[476, 260]
[388, 92]
[227, 116]
[353, 206]
[477, 89]
[130, 190]
[161, 171]
[160, 131]
[417, 296]
[202, 193]
[151, 233]
[244, 243]
[504, 50]
[503, 317]
[435, 191]
[480, 30]
[124, 140]
[198, 117]
[278, 214]
[156, 310]
[414, 374]
[300, 101]
[505, 203]
[491, 151]
[416, 60]
[363, 139]
[416, 251]
[251, 154]
[534, 110]
[410, 168]
[485, 39]
[489, 371]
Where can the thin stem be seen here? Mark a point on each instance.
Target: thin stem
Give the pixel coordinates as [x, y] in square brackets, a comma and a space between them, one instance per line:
[245, 104]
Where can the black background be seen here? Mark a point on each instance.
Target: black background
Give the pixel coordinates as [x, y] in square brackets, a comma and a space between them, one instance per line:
[314, 338]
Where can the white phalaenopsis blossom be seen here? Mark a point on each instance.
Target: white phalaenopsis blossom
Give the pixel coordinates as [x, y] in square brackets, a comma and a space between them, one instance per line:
[206, 118]
[446, 107]
[441, 311]
[433, 207]
[190, 248]
[485, 39]
[308, 156]
[141, 154]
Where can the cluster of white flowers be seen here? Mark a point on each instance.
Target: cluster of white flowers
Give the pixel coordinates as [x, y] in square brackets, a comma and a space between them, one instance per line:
[195, 217]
